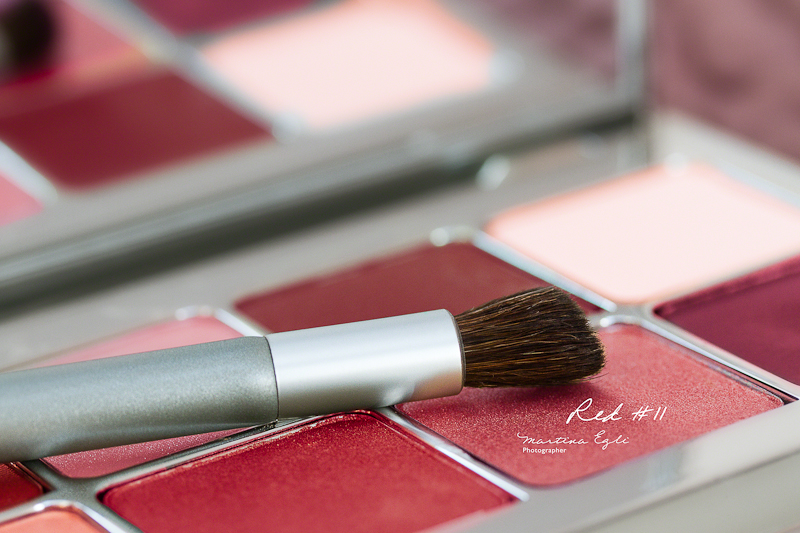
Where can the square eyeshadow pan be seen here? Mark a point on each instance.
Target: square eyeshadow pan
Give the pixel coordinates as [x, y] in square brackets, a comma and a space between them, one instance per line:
[351, 472]
[756, 317]
[654, 233]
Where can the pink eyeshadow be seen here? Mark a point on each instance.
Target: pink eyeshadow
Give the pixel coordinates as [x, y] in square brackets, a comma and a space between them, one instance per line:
[455, 277]
[352, 472]
[15, 203]
[662, 231]
[687, 398]
[754, 317]
[193, 330]
[143, 121]
[355, 60]
[52, 520]
[16, 487]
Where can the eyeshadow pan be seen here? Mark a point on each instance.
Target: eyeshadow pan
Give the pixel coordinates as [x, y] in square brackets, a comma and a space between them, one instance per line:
[191, 16]
[506, 427]
[15, 487]
[171, 334]
[59, 520]
[756, 317]
[354, 60]
[654, 233]
[351, 472]
[15, 203]
[132, 124]
[455, 277]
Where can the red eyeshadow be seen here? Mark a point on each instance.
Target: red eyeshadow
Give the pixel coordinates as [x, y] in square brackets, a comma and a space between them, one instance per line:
[352, 472]
[754, 317]
[167, 335]
[15, 487]
[15, 203]
[190, 16]
[137, 124]
[686, 399]
[455, 277]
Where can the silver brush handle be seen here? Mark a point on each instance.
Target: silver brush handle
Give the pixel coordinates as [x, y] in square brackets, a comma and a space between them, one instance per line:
[135, 398]
[228, 384]
[363, 365]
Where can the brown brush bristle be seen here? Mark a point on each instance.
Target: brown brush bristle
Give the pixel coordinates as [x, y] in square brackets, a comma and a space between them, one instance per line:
[533, 338]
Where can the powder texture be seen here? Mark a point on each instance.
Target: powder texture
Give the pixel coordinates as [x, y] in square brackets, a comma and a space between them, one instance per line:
[686, 398]
[354, 60]
[664, 232]
[52, 520]
[134, 122]
[455, 277]
[353, 472]
[15, 203]
[15, 487]
[756, 317]
[166, 335]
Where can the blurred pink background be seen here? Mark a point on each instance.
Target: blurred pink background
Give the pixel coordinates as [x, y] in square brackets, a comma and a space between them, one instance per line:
[733, 63]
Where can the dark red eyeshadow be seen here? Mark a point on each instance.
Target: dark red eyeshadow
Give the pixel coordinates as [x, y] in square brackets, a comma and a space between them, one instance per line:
[15, 487]
[353, 472]
[756, 317]
[455, 277]
[145, 122]
[193, 16]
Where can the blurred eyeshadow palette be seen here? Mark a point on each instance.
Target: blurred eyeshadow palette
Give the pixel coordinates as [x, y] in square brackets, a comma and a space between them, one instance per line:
[153, 122]
[697, 399]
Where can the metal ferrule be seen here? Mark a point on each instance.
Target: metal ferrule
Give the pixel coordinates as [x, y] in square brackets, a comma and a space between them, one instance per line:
[370, 364]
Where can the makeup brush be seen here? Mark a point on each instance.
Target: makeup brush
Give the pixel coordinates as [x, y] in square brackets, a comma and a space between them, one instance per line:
[534, 338]
[27, 33]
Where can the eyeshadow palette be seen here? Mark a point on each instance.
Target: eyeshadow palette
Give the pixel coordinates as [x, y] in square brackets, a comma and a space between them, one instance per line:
[685, 417]
[152, 124]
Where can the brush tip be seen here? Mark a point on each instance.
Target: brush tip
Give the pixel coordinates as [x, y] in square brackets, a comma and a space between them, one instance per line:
[538, 337]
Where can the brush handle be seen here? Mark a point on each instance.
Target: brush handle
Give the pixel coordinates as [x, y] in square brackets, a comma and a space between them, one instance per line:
[228, 384]
[135, 398]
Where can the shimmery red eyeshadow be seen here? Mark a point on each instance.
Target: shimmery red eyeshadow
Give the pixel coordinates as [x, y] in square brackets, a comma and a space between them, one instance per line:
[131, 126]
[455, 277]
[15, 487]
[352, 472]
[167, 335]
[666, 397]
[755, 317]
